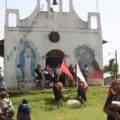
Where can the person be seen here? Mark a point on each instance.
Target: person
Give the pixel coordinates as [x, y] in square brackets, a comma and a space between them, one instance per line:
[48, 75]
[24, 111]
[81, 93]
[19, 76]
[2, 85]
[111, 106]
[38, 74]
[85, 71]
[72, 72]
[6, 106]
[57, 90]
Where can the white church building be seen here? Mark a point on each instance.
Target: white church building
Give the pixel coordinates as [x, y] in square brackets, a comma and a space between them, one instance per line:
[46, 37]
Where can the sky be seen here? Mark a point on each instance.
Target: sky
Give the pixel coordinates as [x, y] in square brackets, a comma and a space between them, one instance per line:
[109, 13]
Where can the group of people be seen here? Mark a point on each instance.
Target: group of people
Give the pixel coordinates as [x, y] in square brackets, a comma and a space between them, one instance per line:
[49, 74]
[7, 109]
[111, 107]
[57, 90]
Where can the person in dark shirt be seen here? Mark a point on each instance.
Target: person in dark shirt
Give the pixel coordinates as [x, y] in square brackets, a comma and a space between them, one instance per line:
[38, 74]
[57, 90]
[81, 93]
[24, 111]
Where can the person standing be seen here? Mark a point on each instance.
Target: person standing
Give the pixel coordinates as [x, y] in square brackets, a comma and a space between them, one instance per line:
[57, 90]
[112, 104]
[19, 76]
[81, 93]
[2, 85]
[85, 71]
[38, 74]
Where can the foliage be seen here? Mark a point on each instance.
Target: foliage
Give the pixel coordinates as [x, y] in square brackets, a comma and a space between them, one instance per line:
[44, 108]
[112, 68]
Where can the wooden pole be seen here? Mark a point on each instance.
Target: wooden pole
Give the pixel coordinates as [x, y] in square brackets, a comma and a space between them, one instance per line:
[116, 63]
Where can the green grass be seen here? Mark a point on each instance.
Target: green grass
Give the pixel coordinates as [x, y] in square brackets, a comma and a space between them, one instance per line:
[43, 107]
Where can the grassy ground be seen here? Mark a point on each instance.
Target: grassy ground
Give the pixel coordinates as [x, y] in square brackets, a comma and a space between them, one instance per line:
[43, 107]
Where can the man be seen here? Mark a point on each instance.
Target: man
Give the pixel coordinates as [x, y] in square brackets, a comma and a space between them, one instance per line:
[85, 71]
[38, 74]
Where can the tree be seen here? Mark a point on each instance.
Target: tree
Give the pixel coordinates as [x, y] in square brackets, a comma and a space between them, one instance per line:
[112, 68]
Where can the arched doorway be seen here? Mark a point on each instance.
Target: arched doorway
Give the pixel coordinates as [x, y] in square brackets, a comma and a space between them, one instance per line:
[54, 58]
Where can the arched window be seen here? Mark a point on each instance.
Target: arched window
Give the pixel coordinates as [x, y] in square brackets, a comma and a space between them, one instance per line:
[43, 5]
[65, 4]
[94, 22]
[12, 20]
[55, 7]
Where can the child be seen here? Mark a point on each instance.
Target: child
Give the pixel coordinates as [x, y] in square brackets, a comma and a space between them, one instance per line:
[6, 106]
[24, 111]
[81, 92]
[57, 89]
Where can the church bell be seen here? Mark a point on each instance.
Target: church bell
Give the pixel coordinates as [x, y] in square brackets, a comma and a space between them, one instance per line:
[54, 2]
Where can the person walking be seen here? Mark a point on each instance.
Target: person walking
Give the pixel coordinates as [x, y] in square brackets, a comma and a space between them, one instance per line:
[57, 90]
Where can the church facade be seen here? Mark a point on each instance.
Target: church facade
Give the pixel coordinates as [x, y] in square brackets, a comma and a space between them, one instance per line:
[46, 37]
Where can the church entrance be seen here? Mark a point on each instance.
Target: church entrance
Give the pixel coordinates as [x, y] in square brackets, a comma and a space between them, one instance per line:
[54, 58]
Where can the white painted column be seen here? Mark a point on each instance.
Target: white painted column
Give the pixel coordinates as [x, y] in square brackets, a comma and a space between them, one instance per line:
[70, 5]
[49, 9]
[60, 5]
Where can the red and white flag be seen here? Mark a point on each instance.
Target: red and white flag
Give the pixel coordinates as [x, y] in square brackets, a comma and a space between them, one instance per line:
[81, 77]
[64, 69]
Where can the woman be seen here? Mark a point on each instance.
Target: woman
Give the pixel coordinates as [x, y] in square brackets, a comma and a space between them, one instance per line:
[113, 110]
[24, 111]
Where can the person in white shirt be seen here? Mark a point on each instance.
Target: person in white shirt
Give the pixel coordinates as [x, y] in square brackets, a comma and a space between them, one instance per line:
[2, 84]
[19, 76]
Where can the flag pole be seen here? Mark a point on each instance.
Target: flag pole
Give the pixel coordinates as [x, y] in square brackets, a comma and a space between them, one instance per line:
[58, 75]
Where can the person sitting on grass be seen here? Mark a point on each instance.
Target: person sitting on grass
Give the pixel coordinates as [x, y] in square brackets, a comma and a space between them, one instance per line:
[24, 111]
[6, 106]
[112, 104]
[81, 93]
[57, 90]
